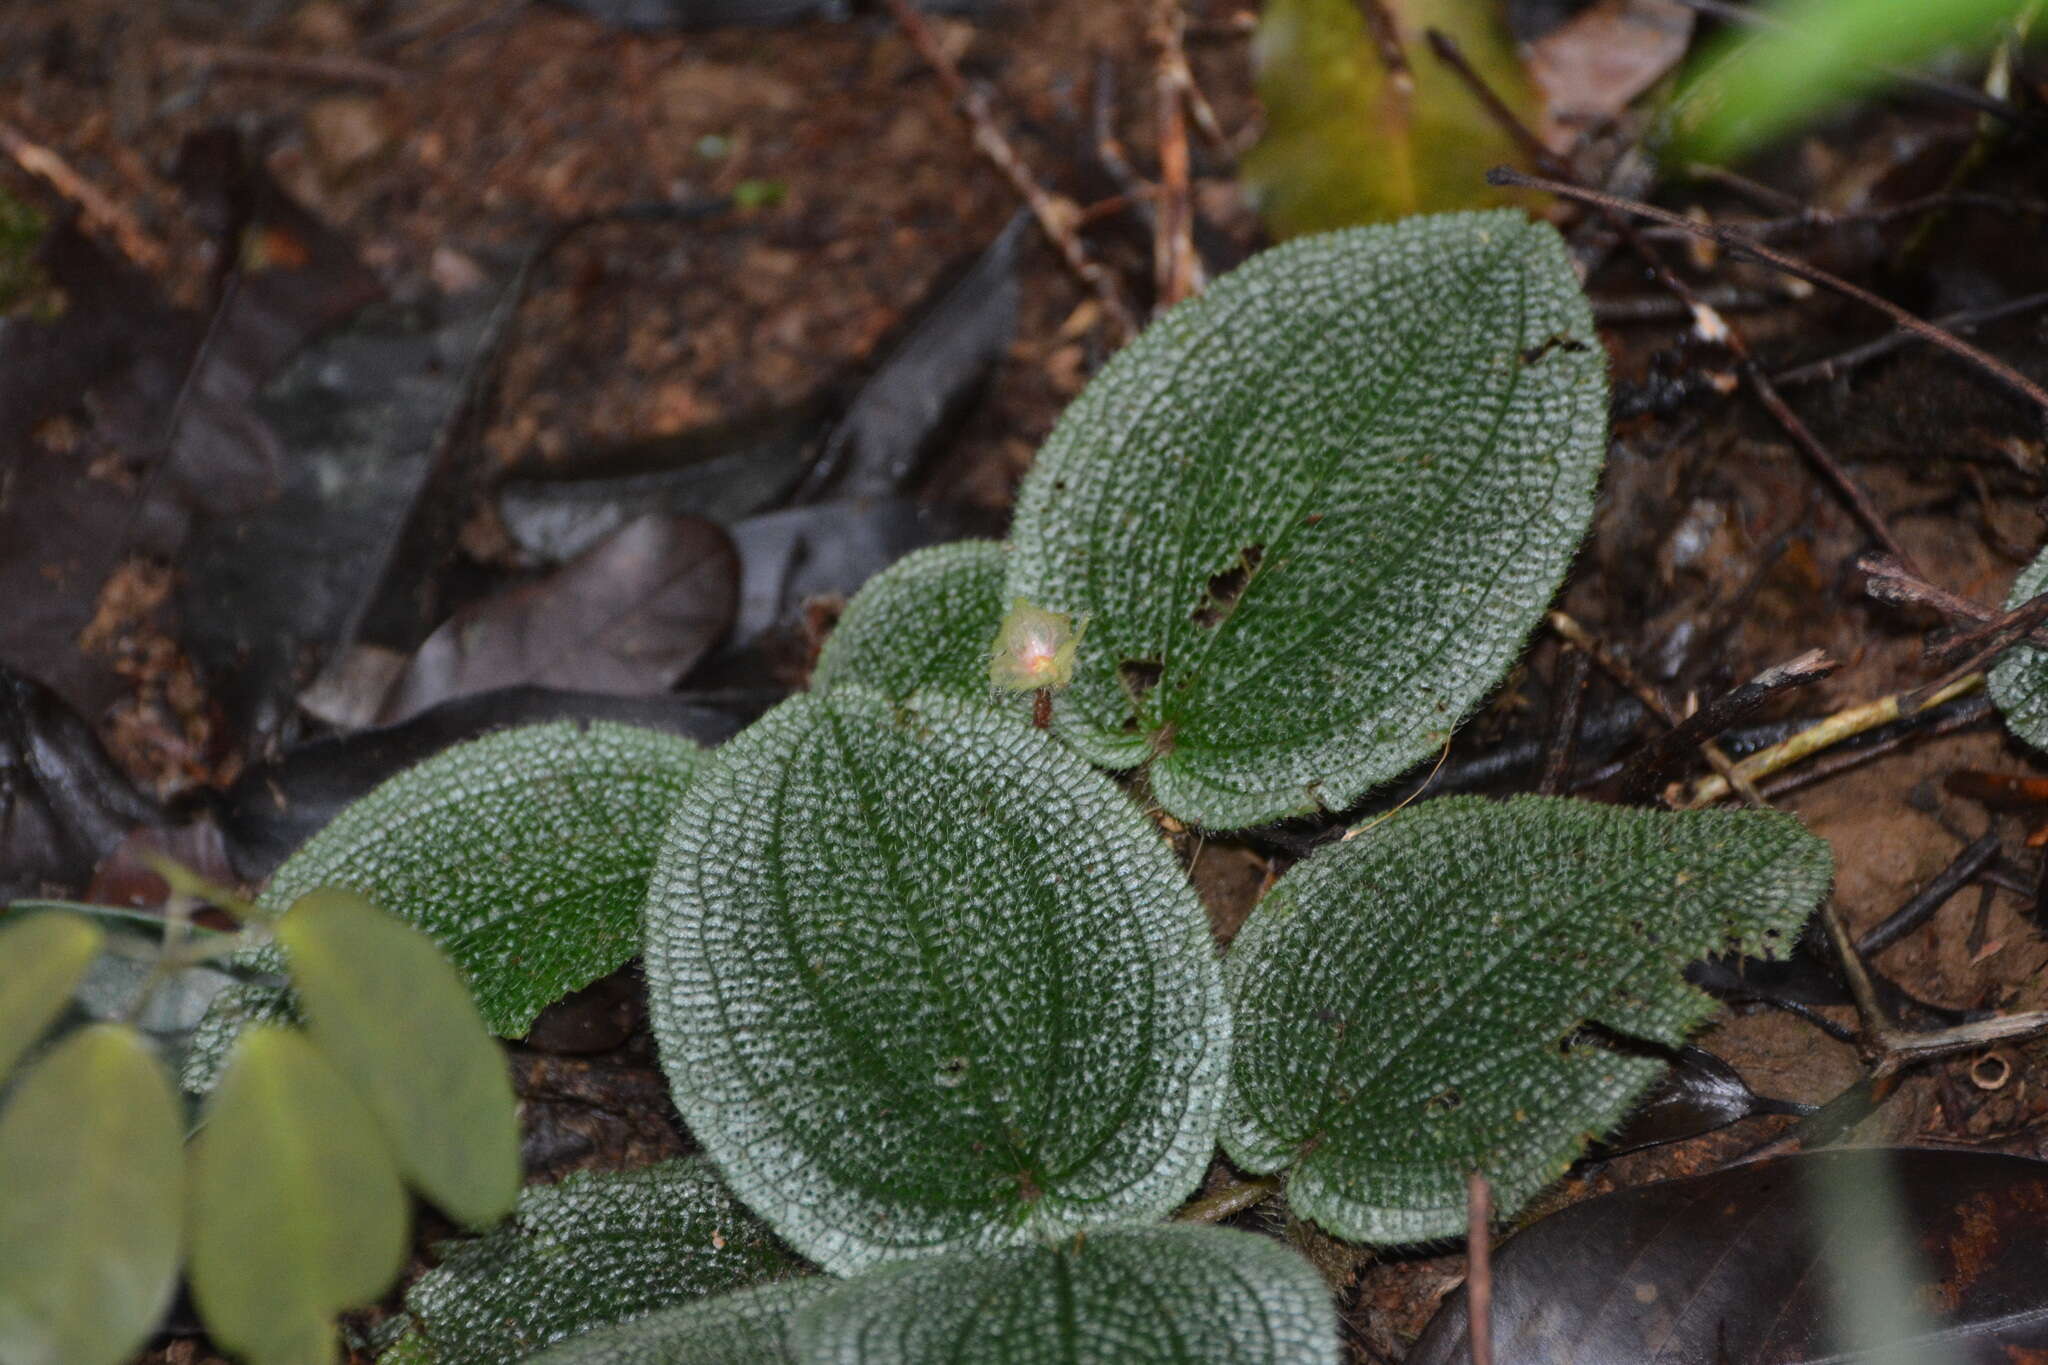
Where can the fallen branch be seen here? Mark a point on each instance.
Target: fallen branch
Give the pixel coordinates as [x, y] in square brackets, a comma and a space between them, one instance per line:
[96, 209]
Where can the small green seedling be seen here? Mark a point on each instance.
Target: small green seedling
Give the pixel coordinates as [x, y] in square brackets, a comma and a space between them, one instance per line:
[287, 1204]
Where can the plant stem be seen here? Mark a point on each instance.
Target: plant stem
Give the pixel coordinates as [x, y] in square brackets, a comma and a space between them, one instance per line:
[1231, 1199]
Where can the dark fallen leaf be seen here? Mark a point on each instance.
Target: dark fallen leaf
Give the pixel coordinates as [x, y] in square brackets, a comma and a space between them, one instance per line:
[277, 805]
[926, 380]
[725, 473]
[63, 803]
[1698, 1095]
[830, 549]
[141, 374]
[361, 416]
[1593, 66]
[127, 874]
[629, 616]
[1751, 1264]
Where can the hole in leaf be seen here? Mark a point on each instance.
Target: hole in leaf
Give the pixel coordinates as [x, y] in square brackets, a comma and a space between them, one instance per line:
[951, 1072]
[1557, 341]
[1226, 587]
[1445, 1101]
[1139, 677]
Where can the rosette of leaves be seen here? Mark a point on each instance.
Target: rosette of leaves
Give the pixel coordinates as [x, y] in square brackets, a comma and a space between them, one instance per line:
[1485, 986]
[922, 979]
[1312, 515]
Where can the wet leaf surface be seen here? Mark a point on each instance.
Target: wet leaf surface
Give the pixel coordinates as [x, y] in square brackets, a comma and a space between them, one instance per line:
[63, 803]
[360, 417]
[926, 379]
[1736, 1265]
[629, 616]
[1699, 1094]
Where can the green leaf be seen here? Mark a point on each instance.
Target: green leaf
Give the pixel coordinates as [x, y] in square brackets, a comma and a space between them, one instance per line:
[922, 979]
[1343, 144]
[1410, 1003]
[1312, 514]
[1750, 86]
[750, 1327]
[42, 959]
[234, 1009]
[928, 620]
[524, 854]
[90, 1165]
[295, 1202]
[2019, 681]
[395, 1018]
[592, 1250]
[410, 1349]
[1137, 1296]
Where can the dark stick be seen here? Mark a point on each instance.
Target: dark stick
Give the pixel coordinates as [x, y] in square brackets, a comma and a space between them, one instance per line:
[1821, 370]
[1652, 764]
[1710, 325]
[1386, 39]
[2020, 622]
[1573, 669]
[2001, 635]
[1746, 246]
[1929, 898]
[1479, 1268]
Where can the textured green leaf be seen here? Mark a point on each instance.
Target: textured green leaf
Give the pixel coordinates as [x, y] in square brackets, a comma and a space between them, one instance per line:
[213, 1042]
[395, 1018]
[90, 1164]
[922, 979]
[928, 620]
[524, 854]
[2019, 681]
[1137, 1296]
[410, 1349]
[750, 1327]
[42, 959]
[295, 1202]
[1409, 1003]
[592, 1250]
[1750, 86]
[1312, 514]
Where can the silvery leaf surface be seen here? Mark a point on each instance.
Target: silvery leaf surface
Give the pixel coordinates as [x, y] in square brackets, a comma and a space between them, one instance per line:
[1313, 514]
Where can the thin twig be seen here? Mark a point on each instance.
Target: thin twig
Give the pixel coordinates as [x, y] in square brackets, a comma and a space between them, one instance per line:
[1974, 711]
[1819, 371]
[1573, 665]
[1177, 270]
[1737, 242]
[1479, 1267]
[1648, 768]
[1891, 581]
[1823, 734]
[1386, 41]
[1920, 908]
[292, 65]
[1055, 214]
[1229, 1201]
[96, 208]
[1620, 671]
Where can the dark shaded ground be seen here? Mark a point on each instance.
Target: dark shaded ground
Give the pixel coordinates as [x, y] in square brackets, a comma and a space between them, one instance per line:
[475, 126]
